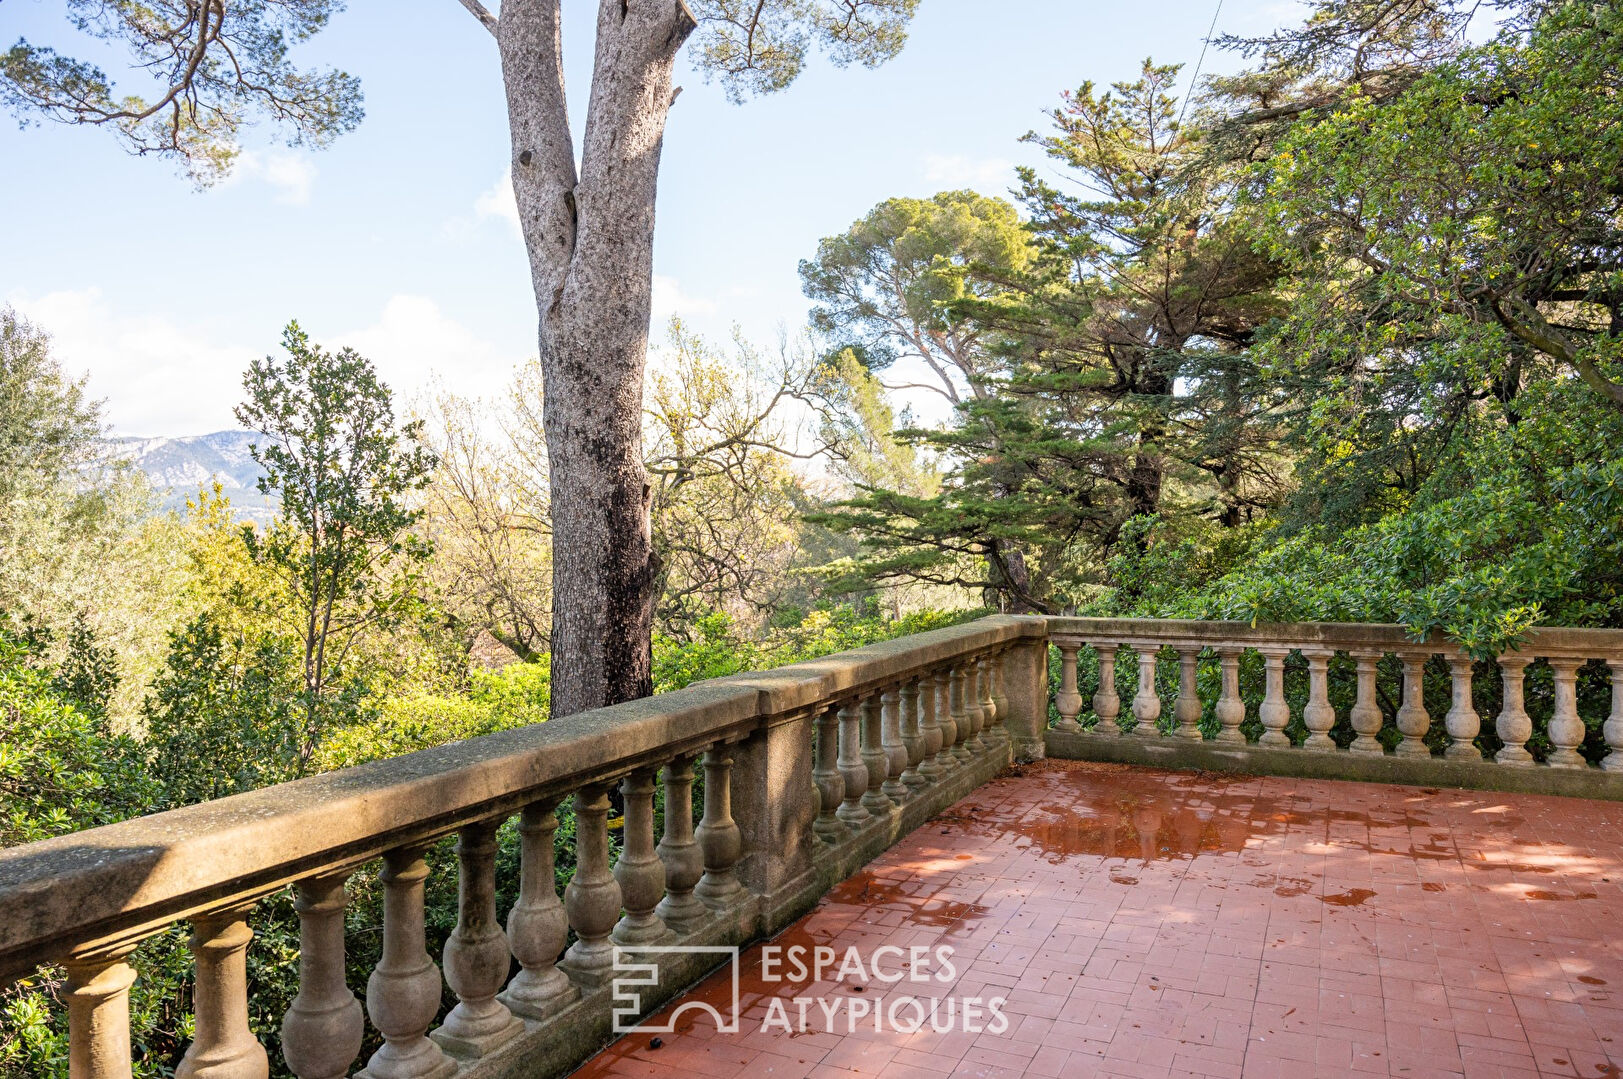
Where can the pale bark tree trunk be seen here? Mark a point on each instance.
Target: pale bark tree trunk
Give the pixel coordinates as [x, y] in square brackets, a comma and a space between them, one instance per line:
[590, 242]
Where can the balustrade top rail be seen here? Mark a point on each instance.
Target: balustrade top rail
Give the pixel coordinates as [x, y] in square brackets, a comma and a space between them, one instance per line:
[1548, 642]
[828, 762]
[96, 887]
[1415, 735]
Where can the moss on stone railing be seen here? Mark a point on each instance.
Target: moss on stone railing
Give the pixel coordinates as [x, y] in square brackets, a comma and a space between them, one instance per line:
[810, 770]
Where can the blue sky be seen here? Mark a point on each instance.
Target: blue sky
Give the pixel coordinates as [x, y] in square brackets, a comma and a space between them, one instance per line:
[398, 239]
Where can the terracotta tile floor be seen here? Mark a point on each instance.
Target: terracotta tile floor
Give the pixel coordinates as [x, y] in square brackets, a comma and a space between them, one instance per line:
[1145, 923]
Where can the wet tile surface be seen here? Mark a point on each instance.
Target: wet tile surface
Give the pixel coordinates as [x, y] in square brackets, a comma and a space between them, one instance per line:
[1141, 923]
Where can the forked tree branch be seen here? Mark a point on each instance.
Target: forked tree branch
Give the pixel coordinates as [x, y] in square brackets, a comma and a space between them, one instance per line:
[482, 13]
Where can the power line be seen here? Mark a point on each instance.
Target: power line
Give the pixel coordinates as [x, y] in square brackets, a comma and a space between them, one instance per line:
[1205, 43]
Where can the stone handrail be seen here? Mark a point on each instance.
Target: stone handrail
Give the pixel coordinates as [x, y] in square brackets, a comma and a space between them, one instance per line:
[810, 770]
[1564, 650]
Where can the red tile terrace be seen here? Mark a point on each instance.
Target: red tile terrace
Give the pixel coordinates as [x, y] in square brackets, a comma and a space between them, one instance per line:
[1178, 879]
[1147, 923]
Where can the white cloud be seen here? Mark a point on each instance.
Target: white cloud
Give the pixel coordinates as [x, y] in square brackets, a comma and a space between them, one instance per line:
[413, 343]
[293, 176]
[156, 376]
[669, 300]
[989, 176]
[160, 377]
[498, 202]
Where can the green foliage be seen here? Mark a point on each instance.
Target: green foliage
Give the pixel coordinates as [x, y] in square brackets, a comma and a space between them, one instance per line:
[720, 649]
[1342, 347]
[228, 700]
[1110, 370]
[760, 47]
[1483, 195]
[84, 560]
[88, 674]
[48, 428]
[213, 69]
[885, 287]
[1525, 528]
[60, 769]
[515, 696]
[342, 471]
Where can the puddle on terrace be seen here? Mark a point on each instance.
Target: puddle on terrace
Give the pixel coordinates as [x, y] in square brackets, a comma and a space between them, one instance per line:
[1062, 810]
[1288, 887]
[926, 909]
[1112, 812]
[1546, 896]
[1134, 815]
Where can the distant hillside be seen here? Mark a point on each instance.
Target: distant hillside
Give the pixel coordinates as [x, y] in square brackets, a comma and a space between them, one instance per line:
[178, 467]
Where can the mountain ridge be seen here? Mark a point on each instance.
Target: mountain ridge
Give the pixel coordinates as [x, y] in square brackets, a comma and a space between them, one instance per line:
[178, 466]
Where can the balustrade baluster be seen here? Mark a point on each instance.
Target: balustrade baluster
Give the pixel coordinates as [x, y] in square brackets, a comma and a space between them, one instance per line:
[874, 758]
[1513, 725]
[895, 749]
[679, 850]
[989, 727]
[639, 869]
[323, 1028]
[537, 926]
[950, 755]
[1614, 722]
[973, 710]
[852, 768]
[1275, 712]
[1413, 719]
[1365, 717]
[962, 749]
[1146, 710]
[930, 766]
[1566, 727]
[719, 837]
[1106, 701]
[403, 993]
[99, 1014]
[223, 1047]
[593, 897]
[912, 737]
[825, 774]
[1187, 708]
[1068, 701]
[1462, 722]
[1230, 708]
[476, 956]
[1319, 716]
[1000, 700]
[971, 705]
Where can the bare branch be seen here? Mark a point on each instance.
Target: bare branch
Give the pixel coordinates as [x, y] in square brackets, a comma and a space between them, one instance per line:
[480, 12]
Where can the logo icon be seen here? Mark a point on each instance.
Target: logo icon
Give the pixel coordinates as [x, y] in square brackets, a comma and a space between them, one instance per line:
[631, 973]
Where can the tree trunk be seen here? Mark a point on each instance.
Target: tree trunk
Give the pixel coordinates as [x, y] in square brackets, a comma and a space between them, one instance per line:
[590, 242]
[1011, 579]
[1147, 468]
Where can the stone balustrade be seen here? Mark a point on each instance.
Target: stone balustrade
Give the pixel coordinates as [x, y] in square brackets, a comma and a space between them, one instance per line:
[809, 771]
[1423, 744]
